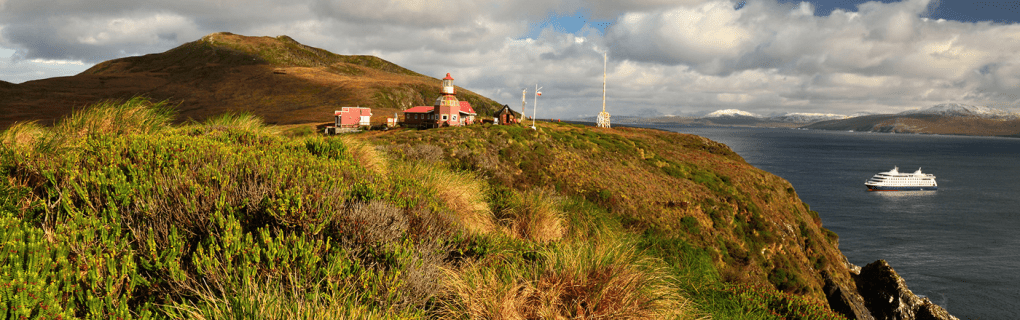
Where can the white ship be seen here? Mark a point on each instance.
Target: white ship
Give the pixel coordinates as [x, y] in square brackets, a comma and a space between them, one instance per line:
[893, 180]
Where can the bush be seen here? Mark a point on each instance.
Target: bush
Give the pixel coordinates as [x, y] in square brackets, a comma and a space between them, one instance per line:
[219, 219]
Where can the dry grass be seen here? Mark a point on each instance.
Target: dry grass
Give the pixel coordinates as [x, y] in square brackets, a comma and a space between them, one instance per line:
[536, 218]
[269, 300]
[238, 121]
[462, 193]
[601, 280]
[366, 155]
[22, 134]
[135, 116]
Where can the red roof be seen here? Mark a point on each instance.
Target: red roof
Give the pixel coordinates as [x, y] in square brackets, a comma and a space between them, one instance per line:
[465, 107]
[360, 111]
[420, 109]
[448, 77]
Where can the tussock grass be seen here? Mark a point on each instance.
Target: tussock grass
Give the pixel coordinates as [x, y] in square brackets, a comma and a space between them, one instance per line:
[238, 121]
[273, 301]
[536, 217]
[573, 280]
[23, 135]
[230, 218]
[366, 155]
[461, 192]
[138, 115]
[197, 215]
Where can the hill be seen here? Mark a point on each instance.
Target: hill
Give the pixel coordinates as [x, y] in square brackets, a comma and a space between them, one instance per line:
[114, 213]
[683, 189]
[275, 78]
[939, 119]
[740, 118]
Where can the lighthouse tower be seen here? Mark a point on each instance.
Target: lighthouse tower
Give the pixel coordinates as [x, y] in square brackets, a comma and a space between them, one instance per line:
[448, 88]
[447, 107]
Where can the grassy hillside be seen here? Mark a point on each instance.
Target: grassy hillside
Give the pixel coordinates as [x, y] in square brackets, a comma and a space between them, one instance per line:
[678, 189]
[113, 213]
[275, 78]
[923, 124]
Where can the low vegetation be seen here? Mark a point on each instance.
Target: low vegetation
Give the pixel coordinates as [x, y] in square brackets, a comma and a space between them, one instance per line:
[113, 213]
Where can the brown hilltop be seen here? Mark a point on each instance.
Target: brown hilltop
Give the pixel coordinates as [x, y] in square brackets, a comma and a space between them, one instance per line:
[923, 123]
[278, 79]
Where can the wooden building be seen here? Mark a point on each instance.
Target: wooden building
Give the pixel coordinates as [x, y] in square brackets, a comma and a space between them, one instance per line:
[505, 116]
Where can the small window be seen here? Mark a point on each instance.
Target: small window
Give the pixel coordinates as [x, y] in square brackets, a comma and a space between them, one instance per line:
[444, 117]
[454, 117]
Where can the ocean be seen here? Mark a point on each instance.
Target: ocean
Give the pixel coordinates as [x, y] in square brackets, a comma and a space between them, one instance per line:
[958, 246]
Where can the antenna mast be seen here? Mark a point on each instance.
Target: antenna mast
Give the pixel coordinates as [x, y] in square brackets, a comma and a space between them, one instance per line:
[603, 118]
[605, 62]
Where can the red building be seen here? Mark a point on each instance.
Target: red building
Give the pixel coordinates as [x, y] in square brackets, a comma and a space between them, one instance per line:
[446, 112]
[353, 117]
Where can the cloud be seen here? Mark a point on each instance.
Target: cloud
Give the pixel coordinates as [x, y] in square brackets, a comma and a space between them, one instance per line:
[670, 57]
[700, 36]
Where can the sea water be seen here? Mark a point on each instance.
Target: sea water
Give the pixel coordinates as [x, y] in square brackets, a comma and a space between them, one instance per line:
[958, 246]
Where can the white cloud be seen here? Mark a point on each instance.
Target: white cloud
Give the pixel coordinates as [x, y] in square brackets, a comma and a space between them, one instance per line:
[147, 30]
[57, 62]
[673, 57]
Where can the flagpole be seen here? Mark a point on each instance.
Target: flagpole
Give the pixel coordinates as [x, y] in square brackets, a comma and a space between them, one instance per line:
[524, 102]
[535, 108]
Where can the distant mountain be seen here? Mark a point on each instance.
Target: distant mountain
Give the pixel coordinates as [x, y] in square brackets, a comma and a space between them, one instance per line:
[859, 114]
[963, 110]
[276, 78]
[950, 118]
[798, 117]
[939, 119]
[735, 117]
[617, 119]
[734, 113]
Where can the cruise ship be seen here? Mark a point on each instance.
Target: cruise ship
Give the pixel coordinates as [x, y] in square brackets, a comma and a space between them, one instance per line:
[893, 180]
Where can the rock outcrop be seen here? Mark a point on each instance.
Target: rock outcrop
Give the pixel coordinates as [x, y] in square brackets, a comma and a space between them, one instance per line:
[845, 300]
[886, 295]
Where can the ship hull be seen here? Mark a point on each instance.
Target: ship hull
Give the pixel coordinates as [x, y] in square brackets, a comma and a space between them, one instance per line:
[904, 188]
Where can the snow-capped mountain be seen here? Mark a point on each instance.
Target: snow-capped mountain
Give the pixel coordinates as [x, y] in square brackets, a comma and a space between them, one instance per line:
[799, 117]
[963, 110]
[731, 113]
[860, 114]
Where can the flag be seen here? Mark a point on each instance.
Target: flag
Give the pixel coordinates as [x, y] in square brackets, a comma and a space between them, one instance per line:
[539, 93]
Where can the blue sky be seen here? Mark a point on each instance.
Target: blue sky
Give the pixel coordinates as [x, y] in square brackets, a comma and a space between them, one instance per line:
[999, 11]
[666, 57]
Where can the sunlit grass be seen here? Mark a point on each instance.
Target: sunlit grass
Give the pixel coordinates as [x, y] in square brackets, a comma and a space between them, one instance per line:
[601, 279]
[115, 212]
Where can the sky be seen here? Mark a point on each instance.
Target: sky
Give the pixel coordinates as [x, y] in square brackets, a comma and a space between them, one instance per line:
[665, 57]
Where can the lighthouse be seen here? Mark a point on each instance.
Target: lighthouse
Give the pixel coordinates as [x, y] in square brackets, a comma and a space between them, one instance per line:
[446, 112]
[448, 88]
[447, 107]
